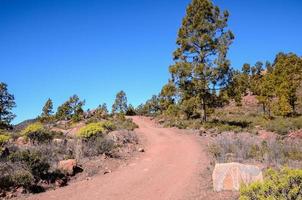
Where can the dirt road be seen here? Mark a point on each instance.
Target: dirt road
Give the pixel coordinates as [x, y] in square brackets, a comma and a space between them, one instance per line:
[169, 169]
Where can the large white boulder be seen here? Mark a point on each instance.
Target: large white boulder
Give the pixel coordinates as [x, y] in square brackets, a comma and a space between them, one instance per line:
[229, 176]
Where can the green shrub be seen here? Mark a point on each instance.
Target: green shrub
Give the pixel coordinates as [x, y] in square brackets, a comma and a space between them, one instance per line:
[126, 124]
[108, 125]
[37, 133]
[4, 139]
[33, 160]
[281, 185]
[56, 134]
[297, 122]
[227, 127]
[224, 126]
[279, 125]
[22, 178]
[91, 130]
[283, 125]
[5, 175]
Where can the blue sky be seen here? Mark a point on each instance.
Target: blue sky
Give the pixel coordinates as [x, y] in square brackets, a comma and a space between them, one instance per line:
[94, 48]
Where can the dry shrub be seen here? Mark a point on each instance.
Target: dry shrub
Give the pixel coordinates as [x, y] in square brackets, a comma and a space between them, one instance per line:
[245, 147]
[96, 146]
[122, 137]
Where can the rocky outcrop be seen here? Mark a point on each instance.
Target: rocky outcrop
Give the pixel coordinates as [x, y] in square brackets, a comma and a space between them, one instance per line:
[229, 176]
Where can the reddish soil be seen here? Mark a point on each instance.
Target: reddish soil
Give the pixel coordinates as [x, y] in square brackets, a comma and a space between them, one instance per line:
[174, 166]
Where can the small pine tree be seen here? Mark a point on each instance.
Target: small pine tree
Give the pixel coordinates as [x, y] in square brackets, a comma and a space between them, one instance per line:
[101, 112]
[130, 110]
[266, 93]
[47, 110]
[71, 109]
[282, 107]
[120, 103]
[64, 111]
[7, 104]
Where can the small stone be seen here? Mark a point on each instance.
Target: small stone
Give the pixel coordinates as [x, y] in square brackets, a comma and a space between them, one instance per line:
[107, 171]
[141, 150]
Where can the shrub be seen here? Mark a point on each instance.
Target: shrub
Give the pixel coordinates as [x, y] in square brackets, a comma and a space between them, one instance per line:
[128, 137]
[90, 130]
[297, 122]
[282, 125]
[57, 134]
[106, 146]
[33, 160]
[97, 146]
[279, 125]
[284, 184]
[231, 147]
[22, 178]
[6, 169]
[126, 124]
[108, 125]
[36, 133]
[4, 140]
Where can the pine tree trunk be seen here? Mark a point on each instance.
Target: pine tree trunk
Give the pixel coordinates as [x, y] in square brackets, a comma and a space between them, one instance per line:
[204, 110]
[294, 108]
[293, 105]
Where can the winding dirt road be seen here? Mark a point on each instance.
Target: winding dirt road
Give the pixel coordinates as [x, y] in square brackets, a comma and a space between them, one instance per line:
[169, 169]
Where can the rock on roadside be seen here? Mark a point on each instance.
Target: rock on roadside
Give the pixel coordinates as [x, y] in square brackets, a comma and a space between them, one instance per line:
[67, 166]
[229, 176]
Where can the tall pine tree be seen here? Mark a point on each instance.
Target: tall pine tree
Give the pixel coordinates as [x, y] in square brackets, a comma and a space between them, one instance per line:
[201, 66]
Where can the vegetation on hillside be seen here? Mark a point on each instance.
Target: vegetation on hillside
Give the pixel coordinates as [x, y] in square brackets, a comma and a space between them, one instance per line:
[29, 155]
[203, 83]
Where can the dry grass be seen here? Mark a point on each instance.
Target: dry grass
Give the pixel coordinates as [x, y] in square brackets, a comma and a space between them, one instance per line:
[245, 147]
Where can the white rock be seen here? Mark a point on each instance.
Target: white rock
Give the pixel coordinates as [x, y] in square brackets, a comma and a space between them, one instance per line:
[229, 176]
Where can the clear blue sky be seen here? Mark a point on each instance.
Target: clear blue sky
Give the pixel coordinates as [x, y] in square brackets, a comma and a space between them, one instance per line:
[94, 48]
